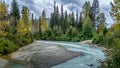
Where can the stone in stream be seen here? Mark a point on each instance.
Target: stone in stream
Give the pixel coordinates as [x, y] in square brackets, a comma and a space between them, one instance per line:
[51, 56]
[44, 55]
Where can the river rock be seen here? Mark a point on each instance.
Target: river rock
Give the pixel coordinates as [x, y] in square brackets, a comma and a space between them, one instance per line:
[51, 56]
[86, 42]
[44, 55]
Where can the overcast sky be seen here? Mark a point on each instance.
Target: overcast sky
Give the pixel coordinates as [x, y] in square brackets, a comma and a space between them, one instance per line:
[37, 6]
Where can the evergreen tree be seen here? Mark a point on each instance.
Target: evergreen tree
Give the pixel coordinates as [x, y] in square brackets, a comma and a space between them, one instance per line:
[32, 18]
[80, 22]
[86, 9]
[15, 16]
[66, 21]
[102, 24]
[62, 22]
[15, 12]
[55, 17]
[77, 17]
[73, 20]
[94, 13]
[52, 21]
[87, 28]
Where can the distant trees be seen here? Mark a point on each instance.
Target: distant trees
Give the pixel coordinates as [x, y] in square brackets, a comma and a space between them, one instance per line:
[85, 23]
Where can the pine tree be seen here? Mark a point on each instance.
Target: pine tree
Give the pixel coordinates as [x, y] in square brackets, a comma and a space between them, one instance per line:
[94, 13]
[86, 9]
[80, 22]
[55, 17]
[66, 21]
[73, 20]
[15, 12]
[15, 16]
[62, 22]
[32, 18]
[77, 17]
[51, 21]
[87, 28]
[102, 24]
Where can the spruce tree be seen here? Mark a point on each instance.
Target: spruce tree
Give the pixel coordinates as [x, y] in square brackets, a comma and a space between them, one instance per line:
[15, 16]
[94, 13]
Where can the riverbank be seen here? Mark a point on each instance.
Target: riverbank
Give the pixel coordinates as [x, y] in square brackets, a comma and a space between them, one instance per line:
[106, 50]
[89, 42]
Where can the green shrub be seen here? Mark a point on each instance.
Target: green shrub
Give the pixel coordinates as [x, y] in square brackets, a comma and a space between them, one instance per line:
[23, 40]
[115, 61]
[7, 46]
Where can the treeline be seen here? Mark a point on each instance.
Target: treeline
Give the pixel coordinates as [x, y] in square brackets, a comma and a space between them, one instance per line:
[74, 27]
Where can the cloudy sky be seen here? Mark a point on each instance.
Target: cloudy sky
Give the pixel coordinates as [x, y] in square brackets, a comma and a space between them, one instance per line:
[37, 6]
